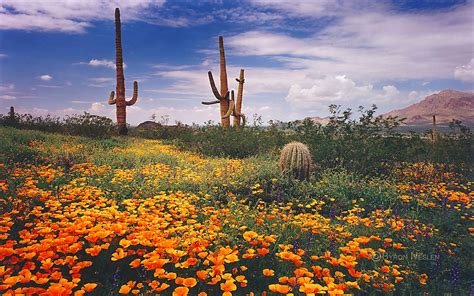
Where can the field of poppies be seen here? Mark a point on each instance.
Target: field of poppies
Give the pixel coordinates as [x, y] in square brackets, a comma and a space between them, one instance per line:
[131, 216]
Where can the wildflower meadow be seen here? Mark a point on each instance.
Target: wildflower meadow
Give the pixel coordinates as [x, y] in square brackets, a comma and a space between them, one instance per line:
[81, 216]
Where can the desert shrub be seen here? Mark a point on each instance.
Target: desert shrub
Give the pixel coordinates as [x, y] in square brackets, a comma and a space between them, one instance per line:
[365, 145]
[233, 142]
[88, 125]
[85, 125]
[165, 132]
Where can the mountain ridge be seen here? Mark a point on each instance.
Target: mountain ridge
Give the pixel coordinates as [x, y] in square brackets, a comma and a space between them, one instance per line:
[446, 105]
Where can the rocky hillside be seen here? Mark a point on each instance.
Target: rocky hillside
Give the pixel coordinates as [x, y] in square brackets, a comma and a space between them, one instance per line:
[446, 105]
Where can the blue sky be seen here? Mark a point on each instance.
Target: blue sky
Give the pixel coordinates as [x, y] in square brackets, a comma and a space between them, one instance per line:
[300, 56]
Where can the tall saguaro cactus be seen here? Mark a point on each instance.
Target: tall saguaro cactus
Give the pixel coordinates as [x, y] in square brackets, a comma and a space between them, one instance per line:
[434, 133]
[11, 114]
[120, 101]
[222, 96]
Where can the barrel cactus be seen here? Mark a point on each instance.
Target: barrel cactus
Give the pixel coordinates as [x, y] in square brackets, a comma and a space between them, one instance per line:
[295, 160]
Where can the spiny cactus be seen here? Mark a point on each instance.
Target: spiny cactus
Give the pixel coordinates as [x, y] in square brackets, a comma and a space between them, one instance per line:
[12, 117]
[434, 133]
[295, 160]
[238, 115]
[120, 101]
[236, 106]
[227, 106]
[11, 114]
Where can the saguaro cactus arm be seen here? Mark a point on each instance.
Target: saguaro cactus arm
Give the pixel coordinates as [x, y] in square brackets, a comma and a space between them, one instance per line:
[111, 98]
[134, 98]
[226, 97]
[213, 87]
[211, 102]
[231, 107]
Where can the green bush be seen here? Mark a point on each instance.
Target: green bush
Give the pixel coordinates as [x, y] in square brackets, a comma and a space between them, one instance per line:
[235, 142]
[84, 125]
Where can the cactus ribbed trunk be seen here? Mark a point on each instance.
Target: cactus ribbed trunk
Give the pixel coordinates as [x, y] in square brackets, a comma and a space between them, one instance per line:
[228, 107]
[224, 104]
[238, 103]
[295, 160]
[434, 133]
[120, 90]
[119, 99]
[12, 113]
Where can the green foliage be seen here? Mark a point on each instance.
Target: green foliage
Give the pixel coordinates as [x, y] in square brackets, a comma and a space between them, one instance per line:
[88, 125]
[363, 146]
[85, 125]
[236, 142]
[367, 144]
[14, 146]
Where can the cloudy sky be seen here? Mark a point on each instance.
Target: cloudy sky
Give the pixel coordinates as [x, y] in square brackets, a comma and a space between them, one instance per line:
[57, 57]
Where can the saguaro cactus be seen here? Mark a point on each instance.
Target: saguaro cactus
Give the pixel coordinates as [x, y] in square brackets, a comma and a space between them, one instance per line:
[238, 115]
[295, 160]
[222, 96]
[120, 101]
[235, 107]
[11, 114]
[434, 133]
[12, 118]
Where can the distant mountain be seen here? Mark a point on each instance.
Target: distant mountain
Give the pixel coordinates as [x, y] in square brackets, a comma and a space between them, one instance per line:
[446, 105]
[148, 125]
[320, 120]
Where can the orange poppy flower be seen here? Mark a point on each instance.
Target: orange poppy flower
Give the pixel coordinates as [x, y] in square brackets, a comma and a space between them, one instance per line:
[268, 272]
[124, 289]
[228, 286]
[89, 287]
[201, 274]
[189, 282]
[181, 291]
[277, 288]
[135, 263]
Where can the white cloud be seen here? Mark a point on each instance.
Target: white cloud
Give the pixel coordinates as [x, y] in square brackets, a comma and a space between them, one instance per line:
[465, 72]
[390, 91]
[72, 16]
[413, 95]
[101, 81]
[45, 77]
[310, 8]
[7, 87]
[2, 55]
[40, 23]
[103, 63]
[326, 91]
[7, 97]
[48, 86]
[97, 107]
[371, 45]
